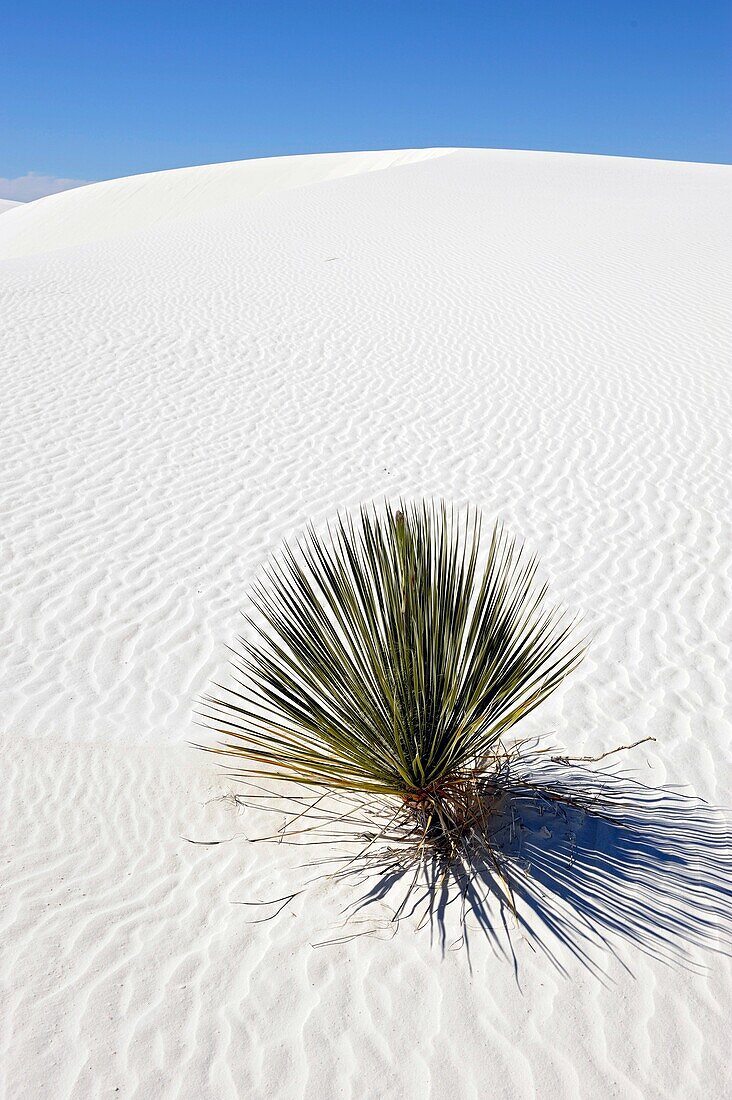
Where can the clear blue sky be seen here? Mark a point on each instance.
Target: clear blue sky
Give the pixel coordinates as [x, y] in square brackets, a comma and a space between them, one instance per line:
[90, 91]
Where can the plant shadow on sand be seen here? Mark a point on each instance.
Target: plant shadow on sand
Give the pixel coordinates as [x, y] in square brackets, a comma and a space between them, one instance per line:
[575, 860]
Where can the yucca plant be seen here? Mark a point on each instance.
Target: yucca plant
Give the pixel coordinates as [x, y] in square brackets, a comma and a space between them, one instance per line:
[389, 657]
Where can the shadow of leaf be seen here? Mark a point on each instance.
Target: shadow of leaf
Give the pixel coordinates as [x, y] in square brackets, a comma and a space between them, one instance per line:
[650, 867]
[582, 862]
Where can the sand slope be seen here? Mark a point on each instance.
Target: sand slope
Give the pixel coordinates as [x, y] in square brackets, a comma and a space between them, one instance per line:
[8, 204]
[114, 208]
[195, 363]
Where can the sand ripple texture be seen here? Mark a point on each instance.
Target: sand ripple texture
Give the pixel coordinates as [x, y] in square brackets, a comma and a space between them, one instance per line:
[196, 363]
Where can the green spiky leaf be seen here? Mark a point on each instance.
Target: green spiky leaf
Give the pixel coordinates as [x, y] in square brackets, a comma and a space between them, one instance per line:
[381, 658]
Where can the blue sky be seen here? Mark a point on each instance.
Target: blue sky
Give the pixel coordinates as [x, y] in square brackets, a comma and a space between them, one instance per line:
[92, 91]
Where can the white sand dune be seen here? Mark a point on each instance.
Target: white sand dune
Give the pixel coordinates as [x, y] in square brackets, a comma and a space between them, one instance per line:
[194, 364]
[115, 208]
[8, 204]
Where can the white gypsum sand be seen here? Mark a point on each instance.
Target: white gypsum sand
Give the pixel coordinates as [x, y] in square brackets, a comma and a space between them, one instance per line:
[196, 363]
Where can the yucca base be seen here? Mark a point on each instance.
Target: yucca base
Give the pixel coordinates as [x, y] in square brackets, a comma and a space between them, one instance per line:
[456, 810]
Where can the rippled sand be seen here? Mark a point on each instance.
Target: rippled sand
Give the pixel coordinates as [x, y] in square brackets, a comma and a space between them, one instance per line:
[194, 364]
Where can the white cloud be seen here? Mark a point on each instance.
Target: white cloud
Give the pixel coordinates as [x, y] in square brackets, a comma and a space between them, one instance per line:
[34, 186]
